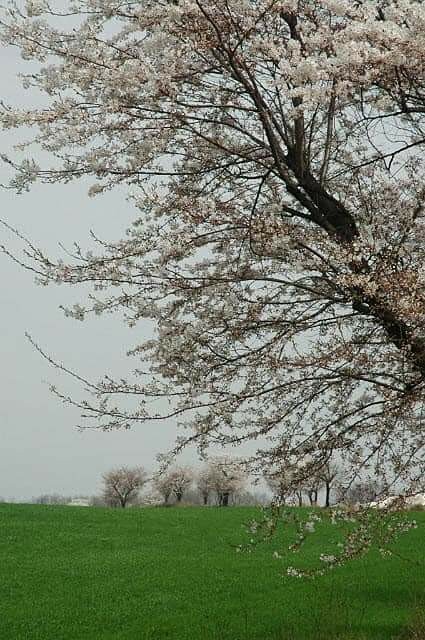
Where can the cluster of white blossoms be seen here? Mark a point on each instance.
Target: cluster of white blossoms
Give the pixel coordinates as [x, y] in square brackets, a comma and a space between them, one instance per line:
[355, 533]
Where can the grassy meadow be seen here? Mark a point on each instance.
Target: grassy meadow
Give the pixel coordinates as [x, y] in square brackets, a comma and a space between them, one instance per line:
[156, 573]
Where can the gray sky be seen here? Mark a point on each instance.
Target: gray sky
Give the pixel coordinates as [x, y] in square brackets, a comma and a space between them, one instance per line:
[40, 450]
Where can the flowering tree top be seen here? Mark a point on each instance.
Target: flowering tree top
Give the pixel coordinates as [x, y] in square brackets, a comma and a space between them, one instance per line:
[273, 150]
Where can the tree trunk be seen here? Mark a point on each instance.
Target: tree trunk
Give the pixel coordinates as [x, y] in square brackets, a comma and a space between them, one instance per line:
[332, 216]
[225, 499]
[328, 494]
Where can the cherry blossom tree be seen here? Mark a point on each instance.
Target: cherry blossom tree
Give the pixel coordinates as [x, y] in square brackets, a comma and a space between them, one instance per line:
[273, 150]
[281, 483]
[278, 484]
[176, 480]
[163, 487]
[122, 485]
[226, 478]
[204, 484]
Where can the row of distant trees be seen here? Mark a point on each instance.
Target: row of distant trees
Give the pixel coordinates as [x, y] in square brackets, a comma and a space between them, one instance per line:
[331, 481]
[328, 477]
[222, 481]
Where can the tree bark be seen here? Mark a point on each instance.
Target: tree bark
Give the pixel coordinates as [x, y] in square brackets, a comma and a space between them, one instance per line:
[225, 499]
[328, 494]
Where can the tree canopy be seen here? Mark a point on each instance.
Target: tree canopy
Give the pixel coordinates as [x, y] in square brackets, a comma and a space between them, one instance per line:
[273, 150]
[122, 485]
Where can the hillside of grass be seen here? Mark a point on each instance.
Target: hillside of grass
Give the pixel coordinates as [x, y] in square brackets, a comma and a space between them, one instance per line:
[70, 573]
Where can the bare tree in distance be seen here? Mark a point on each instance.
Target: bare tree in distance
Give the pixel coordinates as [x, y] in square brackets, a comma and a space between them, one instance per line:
[122, 485]
[328, 476]
[312, 488]
[299, 495]
[274, 154]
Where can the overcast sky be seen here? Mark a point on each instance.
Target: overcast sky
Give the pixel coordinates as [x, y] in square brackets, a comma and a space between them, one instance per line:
[40, 450]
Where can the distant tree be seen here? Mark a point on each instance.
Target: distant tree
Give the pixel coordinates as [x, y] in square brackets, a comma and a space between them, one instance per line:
[278, 482]
[312, 490]
[204, 484]
[163, 487]
[299, 496]
[289, 482]
[227, 478]
[175, 481]
[328, 474]
[181, 478]
[122, 485]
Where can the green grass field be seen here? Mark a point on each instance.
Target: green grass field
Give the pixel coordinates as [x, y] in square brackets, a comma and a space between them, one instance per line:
[144, 574]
